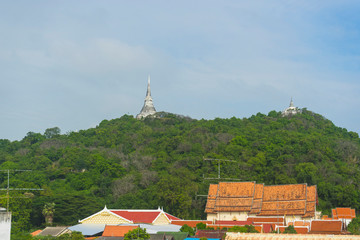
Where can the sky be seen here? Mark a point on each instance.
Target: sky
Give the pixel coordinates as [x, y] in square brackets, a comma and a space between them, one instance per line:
[72, 64]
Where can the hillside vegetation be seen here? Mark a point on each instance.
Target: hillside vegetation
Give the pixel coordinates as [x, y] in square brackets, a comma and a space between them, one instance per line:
[128, 163]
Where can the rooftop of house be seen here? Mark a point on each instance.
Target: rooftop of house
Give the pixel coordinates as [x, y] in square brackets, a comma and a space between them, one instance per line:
[53, 231]
[190, 223]
[291, 199]
[117, 231]
[346, 213]
[135, 215]
[326, 226]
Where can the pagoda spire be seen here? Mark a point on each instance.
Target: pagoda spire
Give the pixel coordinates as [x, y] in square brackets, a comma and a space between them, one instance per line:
[148, 108]
[148, 92]
[291, 103]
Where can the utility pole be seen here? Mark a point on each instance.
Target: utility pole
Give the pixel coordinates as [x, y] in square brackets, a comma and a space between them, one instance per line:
[8, 189]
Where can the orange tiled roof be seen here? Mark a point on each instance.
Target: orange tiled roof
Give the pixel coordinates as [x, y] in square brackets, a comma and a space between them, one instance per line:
[284, 200]
[299, 230]
[322, 226]
[190, 223]
[300, 223]
[36, 232]
[257, 200]
[258, 220]
[294, 199]
[117, 231]
[346, 213]
[212, 195]
[230, 196]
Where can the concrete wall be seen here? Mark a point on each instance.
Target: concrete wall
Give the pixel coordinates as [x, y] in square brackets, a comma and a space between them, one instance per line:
[269, 236]
[5, 225]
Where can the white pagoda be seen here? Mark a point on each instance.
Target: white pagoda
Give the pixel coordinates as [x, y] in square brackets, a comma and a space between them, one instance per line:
[148, 108]
[291, 110]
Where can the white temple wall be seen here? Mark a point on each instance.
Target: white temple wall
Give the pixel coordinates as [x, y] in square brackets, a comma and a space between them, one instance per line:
[5, 225]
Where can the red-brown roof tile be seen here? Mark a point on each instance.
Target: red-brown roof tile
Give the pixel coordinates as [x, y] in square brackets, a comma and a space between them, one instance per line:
[36, 232]
[117, 231]
[139, 216]
[322, 226]
[230, 196]
[267, 228]
[284, 200]
[210, 233]
[299, 230]
[295, 199]
[190, 223]
[276, 220]
[346, 213]
[233, 223]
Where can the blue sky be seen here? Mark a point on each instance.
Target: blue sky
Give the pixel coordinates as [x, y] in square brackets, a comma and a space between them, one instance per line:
[72, 64]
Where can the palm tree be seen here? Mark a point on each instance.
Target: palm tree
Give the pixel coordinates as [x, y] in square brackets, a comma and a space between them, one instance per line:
[48, 212]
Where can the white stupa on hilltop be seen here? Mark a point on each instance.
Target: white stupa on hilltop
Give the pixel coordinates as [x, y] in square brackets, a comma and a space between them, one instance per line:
[291, 110]
[148, 108]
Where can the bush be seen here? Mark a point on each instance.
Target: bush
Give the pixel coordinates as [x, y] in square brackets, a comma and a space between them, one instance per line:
[200, 226]
[188, 229]
[290, 229]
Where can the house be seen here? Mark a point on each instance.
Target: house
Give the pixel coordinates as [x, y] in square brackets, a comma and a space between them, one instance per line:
[129, 216]
[54, 231]
[343, 214]
[238, 201]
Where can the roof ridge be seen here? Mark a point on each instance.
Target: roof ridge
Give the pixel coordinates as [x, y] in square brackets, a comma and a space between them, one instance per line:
[137, 210]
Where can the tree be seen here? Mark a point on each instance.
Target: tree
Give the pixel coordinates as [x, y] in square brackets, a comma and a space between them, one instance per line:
[290, 230]
[48, 212]
[52, 132]
[188, 229]
[243, 229]
[306, 172]
[137, 233]
[71, 236]
[354, 226]
[200, 226]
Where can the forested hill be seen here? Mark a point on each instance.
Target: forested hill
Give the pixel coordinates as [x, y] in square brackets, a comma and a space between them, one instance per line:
[130, 163]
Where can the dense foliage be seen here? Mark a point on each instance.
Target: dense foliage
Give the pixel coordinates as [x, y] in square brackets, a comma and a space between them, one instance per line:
[186, 228]
[130, 163]
[243, 229]
[138, 233]
[354, 226]
[290, 230]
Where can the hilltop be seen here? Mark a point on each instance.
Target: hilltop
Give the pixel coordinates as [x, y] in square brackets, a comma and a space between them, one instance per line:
[130, 163]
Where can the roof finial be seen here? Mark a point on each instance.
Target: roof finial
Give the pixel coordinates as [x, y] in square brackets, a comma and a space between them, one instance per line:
[291, 103]
[148, 92]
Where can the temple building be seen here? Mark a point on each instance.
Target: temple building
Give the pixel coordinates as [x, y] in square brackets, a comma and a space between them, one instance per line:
[148, 108]
[239, 201]
[291, 110]
[130, 216]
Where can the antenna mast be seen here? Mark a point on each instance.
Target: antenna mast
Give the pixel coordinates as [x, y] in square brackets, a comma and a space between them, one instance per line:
[8, 189]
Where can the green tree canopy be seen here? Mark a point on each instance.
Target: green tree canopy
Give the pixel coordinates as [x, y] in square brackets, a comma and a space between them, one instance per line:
[138, 233]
